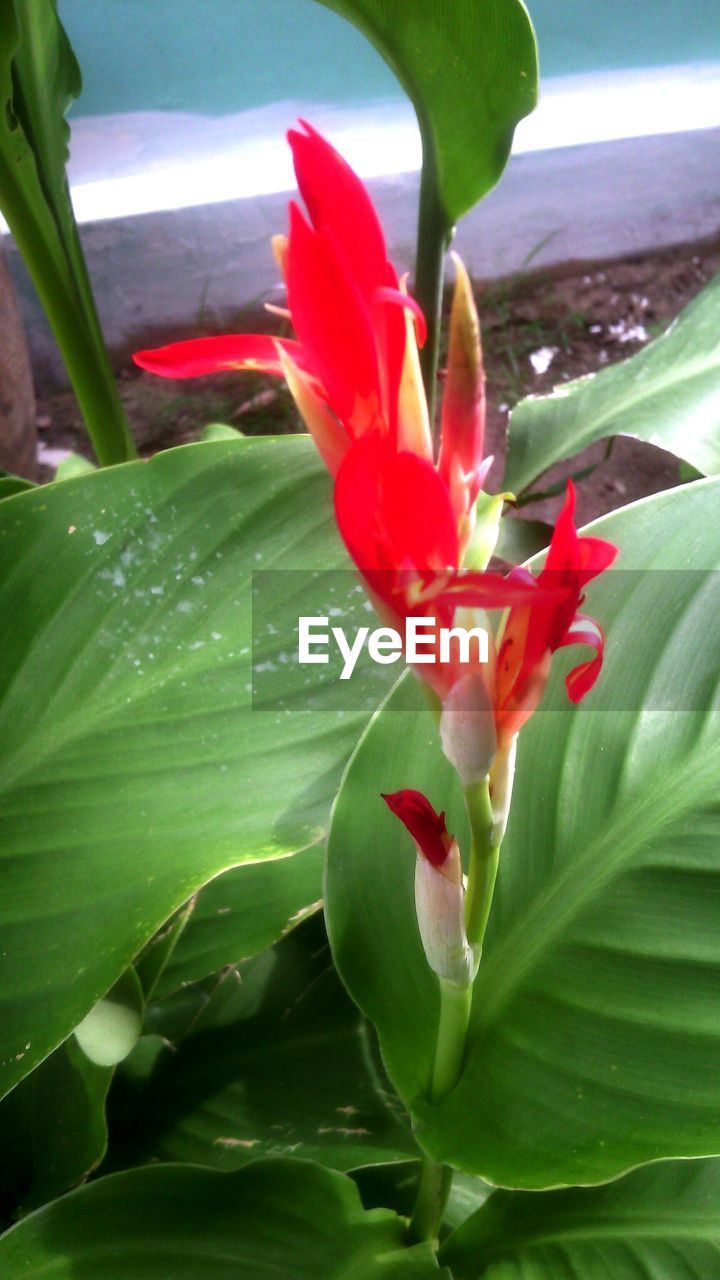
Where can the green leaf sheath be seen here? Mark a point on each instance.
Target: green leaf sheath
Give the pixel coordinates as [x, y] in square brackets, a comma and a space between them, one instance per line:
[39, 78]
[668, 394]
[594, 1034]
[133, 767]
[276, 1218]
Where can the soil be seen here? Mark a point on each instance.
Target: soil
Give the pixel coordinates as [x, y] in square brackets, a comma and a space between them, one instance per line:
[539, 329]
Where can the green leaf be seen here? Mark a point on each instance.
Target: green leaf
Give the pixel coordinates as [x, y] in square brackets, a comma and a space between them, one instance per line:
[242, 912]
[39, 78]
[74, 465]
[133, 767]
[108, 1033]
[52, 1129]
[667, 394]
[220, 431]
[519, 539]
[658, 1223]
[279, 1062]
[47, 81]
[470, 70]
[594, 1033]
[10, 485]
[274, 1218]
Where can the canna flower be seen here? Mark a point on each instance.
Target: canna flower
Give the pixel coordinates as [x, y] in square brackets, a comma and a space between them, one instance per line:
[408, 522]
[439, 888]
[353, 370]
[484, 710]
[532, 634]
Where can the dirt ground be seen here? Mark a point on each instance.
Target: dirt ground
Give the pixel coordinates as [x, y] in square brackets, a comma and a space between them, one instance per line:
[539, 329]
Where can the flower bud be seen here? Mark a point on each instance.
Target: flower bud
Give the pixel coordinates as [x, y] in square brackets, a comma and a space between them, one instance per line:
[439, 888]
[467, 728]
[440, 907]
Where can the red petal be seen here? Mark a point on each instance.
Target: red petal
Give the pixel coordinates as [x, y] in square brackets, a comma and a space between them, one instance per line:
[393, 511]
[597, 555]
[333, 324]
[568, 553]
[336, 198]
[397, 298]
[426, 827]
[572, 562]
[199, 356]
[340, 207]
[580, 680]
[482, 589]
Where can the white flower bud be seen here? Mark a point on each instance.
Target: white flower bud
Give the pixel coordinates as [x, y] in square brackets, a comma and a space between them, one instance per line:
[440, 906]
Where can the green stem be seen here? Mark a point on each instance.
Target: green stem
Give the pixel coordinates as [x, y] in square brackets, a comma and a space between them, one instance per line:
[433, 241]
[455, 1005]
[76, 330]
[484, 857]
[433, 1190]
[436, 1179]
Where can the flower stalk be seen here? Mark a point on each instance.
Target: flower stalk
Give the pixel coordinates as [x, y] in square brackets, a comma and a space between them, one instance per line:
[484, 859]
[455, 1003]
[432, 244]
[436, 1179]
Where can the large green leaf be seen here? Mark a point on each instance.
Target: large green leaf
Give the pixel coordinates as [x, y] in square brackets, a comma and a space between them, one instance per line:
[133, 766]
[52, 1129]
[279, 1062]
[275, 1218]
[470, 69]
[39, 78]
[659, 1223]
[667, 394]
[595, 1031]
[241, 913]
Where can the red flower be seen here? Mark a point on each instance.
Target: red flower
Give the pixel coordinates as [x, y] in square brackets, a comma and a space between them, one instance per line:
[533, 633]
[354, 373]
[353, 370]
[347, 308]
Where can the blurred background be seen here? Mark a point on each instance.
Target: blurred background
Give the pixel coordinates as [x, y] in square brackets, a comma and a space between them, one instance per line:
[180, 173]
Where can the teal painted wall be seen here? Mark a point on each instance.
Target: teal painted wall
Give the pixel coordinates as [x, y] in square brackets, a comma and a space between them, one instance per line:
[229, 55]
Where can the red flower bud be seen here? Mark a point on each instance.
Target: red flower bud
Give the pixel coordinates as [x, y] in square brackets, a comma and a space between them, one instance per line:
[426, 827]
